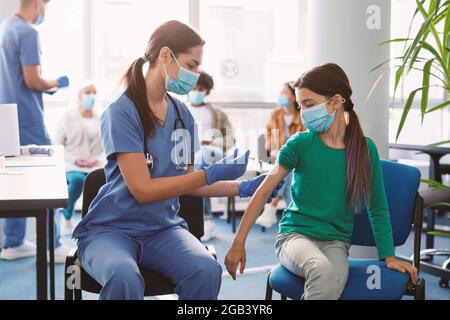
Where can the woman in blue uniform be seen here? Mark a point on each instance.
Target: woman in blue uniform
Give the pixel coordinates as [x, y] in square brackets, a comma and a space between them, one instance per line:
[134, 219]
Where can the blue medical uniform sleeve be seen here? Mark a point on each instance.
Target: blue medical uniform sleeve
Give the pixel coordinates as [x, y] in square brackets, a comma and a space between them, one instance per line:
[193, 131]
[121, 132]
[30, 50]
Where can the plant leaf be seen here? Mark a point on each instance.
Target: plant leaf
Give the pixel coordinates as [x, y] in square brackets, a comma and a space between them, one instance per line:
[435, 184]
[406, 110]
[441, 106]
[437, 144]
[426, 88]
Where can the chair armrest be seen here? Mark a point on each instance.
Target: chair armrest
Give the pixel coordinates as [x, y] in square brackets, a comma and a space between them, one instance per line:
[212, 250]
[72, 257]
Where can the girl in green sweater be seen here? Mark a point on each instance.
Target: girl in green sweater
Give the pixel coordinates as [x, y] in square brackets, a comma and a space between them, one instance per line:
[336, 172]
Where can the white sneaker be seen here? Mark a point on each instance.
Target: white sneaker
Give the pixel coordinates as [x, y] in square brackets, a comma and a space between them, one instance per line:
[26, 250]
[61, 254]
[66, 227]
[210, 230]
[268, 218]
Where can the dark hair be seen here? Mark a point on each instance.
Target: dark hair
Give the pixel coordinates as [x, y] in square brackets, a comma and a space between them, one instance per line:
[328, 80]
[206, 82]
[291, 88]
[172, 34]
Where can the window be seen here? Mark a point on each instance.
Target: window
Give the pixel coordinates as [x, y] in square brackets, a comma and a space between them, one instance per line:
[402, 13]
[98, 40]
[63, 44]
[253, 47]
[435, 127]
[121, 30]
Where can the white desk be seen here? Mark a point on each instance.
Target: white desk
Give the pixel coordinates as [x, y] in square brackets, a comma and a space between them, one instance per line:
[35, 191]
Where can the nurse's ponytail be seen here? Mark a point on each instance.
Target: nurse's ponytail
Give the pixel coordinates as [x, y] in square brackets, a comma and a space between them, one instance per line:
[328, 80]
[137, 92]
[174, 35]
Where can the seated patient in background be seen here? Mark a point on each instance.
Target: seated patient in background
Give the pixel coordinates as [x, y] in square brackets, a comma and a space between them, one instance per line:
[284, 122]
[216, 134]
[79, 133]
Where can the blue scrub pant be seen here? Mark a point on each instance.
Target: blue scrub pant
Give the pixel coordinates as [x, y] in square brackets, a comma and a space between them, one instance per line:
[14, 230]
[203, 159]
[112, 258]
[75, 182]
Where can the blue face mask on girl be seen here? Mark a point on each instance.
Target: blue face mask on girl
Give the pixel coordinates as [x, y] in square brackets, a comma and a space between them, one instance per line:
[185, 82]
[317, 119]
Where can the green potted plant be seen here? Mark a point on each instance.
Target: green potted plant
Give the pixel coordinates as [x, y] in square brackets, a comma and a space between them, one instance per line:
[426, 51]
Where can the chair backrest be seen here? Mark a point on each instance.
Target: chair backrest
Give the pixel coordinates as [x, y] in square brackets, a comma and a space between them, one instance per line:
[401, 185]
[263, 154]
[191, 208]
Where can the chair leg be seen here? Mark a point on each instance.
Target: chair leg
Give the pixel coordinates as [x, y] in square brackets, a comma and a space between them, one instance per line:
[284, 298]
[78, 296]
[269, 290]
[68, 293]
[419, 293]
[431, 221]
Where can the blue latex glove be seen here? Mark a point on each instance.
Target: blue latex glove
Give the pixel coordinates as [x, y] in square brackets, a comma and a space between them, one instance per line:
[63, 82]
[248, 187]
[230, 168]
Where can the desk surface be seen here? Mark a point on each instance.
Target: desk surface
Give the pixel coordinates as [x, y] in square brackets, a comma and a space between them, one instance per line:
[424, 149]
[35, 188]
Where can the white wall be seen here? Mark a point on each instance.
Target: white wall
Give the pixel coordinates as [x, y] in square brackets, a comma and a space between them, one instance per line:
[8, 8]
[339, 32]
[348, 33]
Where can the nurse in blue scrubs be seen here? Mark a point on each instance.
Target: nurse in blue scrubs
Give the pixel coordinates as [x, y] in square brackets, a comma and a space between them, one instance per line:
[146, 136]
[21, 83]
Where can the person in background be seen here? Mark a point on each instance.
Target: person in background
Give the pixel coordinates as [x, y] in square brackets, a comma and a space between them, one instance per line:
[285, 121]
[21, 83]
[79, 133]
[217, 137]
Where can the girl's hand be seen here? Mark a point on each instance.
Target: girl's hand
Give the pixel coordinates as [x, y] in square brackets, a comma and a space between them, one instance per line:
[235, 256]
[402, 266]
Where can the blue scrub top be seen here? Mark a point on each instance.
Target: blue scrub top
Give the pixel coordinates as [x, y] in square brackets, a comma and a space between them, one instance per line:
[20, 47]
[115, 208]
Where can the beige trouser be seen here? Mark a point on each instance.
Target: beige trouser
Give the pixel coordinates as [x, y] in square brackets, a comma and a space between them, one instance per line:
[323, 264]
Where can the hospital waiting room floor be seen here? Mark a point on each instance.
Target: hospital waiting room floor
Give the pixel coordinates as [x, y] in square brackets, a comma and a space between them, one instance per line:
[17, 279]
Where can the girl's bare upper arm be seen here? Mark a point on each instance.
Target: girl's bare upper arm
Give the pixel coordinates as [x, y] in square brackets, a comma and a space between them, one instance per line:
[275, 176]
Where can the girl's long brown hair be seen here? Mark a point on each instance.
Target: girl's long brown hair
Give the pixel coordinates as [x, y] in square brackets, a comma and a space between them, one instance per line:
[179, 38]
[328, 80]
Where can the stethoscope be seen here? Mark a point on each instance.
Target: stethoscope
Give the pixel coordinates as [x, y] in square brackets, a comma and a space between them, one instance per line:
[178, 126]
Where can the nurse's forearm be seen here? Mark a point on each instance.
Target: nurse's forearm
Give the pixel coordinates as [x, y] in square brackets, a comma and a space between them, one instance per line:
[42, 85]
[218, 190]
[34, 81]
[160, 189]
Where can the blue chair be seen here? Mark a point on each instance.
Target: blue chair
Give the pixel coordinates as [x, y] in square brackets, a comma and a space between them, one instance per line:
[406, 207]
